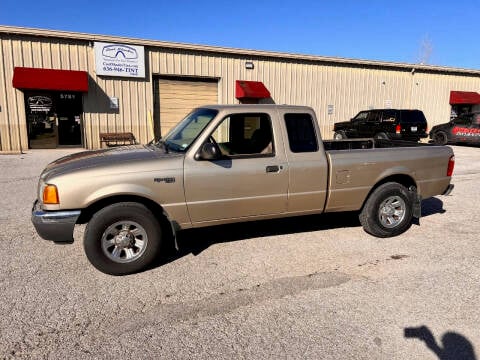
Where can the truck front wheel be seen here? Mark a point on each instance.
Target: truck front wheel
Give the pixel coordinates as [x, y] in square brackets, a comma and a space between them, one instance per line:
[440, 138]
[388, 211]
[122, 238]
[339, 135]
[381, 136]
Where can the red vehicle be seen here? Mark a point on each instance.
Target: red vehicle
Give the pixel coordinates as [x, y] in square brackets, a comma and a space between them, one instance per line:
[463, 129]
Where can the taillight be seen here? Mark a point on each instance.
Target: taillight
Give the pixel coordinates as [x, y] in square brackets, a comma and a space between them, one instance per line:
[398, 129]
[451, 165]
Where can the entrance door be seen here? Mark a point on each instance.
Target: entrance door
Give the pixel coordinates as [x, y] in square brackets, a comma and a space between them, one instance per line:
[41, 120]
[69, 110]
[53, 119]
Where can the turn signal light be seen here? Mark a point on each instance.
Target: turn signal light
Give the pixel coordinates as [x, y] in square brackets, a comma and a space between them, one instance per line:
[50, 195]
[451, 165]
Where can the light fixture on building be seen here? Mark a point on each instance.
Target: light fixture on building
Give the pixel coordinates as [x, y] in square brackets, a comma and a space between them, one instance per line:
[249, 65]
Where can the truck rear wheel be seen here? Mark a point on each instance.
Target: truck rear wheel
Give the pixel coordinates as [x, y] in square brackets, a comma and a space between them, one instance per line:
[122, 238]
[388, 211]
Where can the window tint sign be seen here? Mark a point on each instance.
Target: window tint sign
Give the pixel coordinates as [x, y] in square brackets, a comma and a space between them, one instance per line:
[119, 60]
[39, 103]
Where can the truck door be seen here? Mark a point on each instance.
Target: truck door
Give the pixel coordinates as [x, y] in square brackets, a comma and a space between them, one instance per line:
[465, 129]
[370, 127]
[251, 178]
[357, 122]
[308, 167]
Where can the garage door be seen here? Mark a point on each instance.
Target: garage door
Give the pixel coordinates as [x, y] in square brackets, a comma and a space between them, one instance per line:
[175, 98]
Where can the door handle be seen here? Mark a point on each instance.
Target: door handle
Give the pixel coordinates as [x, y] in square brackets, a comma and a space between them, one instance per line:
[272, 169]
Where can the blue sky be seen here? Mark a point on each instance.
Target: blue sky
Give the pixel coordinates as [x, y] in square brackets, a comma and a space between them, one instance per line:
[441, 32]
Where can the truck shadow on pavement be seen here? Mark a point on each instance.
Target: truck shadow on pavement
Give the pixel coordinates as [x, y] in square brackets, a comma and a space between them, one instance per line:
[195, 241]
[432, 206]
[453, 345]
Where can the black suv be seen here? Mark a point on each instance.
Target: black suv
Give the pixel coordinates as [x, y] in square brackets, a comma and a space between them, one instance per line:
[384, 124]
[463, 129]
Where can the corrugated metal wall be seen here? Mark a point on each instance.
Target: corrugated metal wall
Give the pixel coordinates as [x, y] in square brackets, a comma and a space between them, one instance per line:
[348, 88]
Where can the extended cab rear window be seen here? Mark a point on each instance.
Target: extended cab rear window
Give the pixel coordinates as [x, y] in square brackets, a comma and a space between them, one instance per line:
[301, 133]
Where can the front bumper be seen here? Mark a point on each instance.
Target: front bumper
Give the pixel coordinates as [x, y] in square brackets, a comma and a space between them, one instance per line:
[56, 226]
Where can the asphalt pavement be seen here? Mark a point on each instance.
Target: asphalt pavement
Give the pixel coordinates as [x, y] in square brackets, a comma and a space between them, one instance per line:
[315, 287]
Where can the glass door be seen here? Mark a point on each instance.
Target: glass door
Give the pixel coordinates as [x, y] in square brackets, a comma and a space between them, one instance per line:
[41, 120]
[53, 119]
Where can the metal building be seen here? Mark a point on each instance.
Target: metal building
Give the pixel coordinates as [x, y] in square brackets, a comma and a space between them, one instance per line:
[64, 89]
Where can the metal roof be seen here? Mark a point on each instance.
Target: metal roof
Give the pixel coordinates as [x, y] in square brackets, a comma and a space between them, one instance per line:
[227, 50]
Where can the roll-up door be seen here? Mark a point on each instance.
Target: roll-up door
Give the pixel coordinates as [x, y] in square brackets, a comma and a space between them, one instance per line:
[175, 98]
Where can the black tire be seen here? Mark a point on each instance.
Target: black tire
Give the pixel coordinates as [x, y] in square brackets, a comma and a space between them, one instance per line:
[339, 135]
[388, 210]
[381, 136]
[440, 138]
[122, 238]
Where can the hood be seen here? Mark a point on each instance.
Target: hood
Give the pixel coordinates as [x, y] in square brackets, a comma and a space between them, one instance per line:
[342, 124]
[444, 126]
[105, 157]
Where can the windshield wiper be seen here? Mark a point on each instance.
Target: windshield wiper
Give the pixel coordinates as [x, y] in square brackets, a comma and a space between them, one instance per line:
[165, 146]
[161, 144]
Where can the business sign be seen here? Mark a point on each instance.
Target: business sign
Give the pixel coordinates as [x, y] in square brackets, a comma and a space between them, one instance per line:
[119, 60]
[39, 103]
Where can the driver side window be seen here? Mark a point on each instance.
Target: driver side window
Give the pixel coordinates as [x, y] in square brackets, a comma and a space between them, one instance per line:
[463, 120]
[361, 116]
[240, 135]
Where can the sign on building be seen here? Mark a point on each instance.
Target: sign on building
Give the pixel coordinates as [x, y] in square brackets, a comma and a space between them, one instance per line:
[119, 60]
[330, 109]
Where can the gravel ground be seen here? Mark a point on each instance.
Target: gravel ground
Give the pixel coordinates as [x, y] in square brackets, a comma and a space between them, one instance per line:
[317, 287]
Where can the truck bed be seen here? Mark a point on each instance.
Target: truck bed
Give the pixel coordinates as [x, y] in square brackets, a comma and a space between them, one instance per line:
[354, 165]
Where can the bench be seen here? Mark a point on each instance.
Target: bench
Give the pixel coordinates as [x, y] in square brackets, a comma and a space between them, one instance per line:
[117, 138]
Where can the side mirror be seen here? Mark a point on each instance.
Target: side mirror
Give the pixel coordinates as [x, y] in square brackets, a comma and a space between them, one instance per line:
[208, 152]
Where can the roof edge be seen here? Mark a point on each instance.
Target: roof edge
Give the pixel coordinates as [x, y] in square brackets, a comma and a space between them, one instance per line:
[5, 29]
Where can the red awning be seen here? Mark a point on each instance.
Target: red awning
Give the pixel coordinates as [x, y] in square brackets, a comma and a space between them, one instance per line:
[50, 79]
[250, 90]
[464, 97]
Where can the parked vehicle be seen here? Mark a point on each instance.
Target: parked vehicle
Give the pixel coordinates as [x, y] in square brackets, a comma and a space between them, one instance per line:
[225, 164]
[392, 124]
[463, 129]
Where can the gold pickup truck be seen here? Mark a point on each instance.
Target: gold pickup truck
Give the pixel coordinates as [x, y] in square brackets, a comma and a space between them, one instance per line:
[231, 163]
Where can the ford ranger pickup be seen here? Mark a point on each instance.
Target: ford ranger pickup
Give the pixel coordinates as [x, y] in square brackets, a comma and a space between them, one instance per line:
[231, 163]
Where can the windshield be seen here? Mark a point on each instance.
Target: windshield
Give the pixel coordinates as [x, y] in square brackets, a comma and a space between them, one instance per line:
[180, 137]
